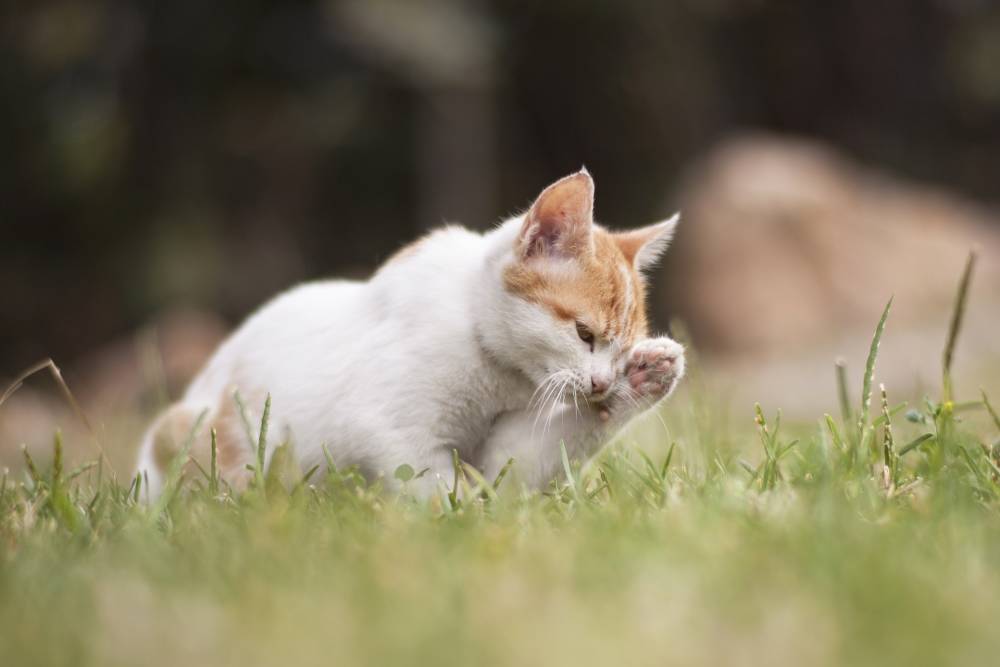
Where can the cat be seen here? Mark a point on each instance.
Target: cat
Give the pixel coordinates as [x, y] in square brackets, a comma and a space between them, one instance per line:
[499, 345]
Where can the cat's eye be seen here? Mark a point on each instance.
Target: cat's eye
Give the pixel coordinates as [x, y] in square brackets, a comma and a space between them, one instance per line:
[585, 334]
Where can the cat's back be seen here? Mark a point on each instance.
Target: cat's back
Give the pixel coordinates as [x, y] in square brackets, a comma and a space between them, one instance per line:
[283, 333]
[431, 279]
[432, 260]
[419, 295]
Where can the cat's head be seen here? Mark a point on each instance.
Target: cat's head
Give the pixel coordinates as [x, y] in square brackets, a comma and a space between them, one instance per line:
[574, 292]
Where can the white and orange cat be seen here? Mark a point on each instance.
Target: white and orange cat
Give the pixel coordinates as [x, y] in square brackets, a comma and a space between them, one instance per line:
[499, 345]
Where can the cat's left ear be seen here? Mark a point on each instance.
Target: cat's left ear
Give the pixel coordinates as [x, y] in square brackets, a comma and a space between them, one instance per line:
[560, 222]
[644, 246]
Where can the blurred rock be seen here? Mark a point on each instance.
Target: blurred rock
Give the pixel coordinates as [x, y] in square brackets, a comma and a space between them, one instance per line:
[28, 417]
[789, 251]
[118, 387]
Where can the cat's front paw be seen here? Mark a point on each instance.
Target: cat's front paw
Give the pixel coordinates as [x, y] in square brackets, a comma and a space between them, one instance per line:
[654, 366]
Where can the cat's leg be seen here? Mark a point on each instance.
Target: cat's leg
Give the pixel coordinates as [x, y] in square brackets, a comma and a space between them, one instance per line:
[533, 442]
[193, 423]
[651, 372]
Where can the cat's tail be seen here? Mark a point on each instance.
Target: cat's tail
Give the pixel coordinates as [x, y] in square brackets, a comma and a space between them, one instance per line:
[166, 437]
[161, 443]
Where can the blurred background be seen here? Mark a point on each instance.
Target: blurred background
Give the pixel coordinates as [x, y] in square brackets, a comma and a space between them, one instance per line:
[168, 166]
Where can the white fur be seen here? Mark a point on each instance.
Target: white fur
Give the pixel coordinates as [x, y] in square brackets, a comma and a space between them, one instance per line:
[431, 354]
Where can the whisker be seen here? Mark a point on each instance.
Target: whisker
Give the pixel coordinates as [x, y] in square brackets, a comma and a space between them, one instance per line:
[630, 395]
[552, 406]
[551, 395]
[576, 392]
[551, 384]
[566, 379]
[543, 384]
[549, 387]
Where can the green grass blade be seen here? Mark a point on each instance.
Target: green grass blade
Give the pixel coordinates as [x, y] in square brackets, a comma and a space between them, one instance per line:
[765, 434]
[843, 394]
[976, 470]
[667, 460]
[646, 479]
[265, 421]
[570, 479]
[213, 480]
[650, 466]
[244, 413]
[331, 466]
[282, 464]
[831, 426]
[204, 473]
[133, 488]
[893, 411]
[482, 486]
[889, 457]
[76, 472]
[30, 467]
[57, 461]
[308, 475]
[916, 442]
[989, 408]
[866, 385]
[456, 465]
[258, 443]
[958, 314]
[503, 473]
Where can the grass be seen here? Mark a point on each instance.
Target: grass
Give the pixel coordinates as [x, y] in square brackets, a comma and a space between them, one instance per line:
[868, 539]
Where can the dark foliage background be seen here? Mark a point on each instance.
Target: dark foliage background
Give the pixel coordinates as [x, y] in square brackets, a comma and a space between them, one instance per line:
[212, 153]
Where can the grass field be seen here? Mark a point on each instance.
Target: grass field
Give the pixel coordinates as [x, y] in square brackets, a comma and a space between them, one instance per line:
[868, 537]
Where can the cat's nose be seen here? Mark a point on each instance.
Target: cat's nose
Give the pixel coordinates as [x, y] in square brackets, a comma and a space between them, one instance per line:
[599, 385]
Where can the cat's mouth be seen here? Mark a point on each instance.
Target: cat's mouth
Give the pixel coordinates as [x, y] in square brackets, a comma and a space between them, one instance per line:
[599, 398]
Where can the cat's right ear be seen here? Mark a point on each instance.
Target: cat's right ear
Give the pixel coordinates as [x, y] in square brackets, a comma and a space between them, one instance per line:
[559, 224]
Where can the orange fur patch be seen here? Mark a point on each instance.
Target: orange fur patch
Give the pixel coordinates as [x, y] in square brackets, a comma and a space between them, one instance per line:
[603, 289]
[232, 449]
[412, 248]
[407, 251]
[172, 429]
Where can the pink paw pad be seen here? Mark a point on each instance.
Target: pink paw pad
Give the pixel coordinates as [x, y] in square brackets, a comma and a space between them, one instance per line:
[654, 367]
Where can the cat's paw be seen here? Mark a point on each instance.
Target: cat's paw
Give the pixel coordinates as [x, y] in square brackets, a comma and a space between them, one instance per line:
[654, 366]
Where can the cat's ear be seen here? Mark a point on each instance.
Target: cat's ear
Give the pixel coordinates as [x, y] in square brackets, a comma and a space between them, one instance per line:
[560, 222]
[644, 246]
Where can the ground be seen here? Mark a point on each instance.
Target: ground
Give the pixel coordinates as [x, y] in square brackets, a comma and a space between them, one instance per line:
[705, 535]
